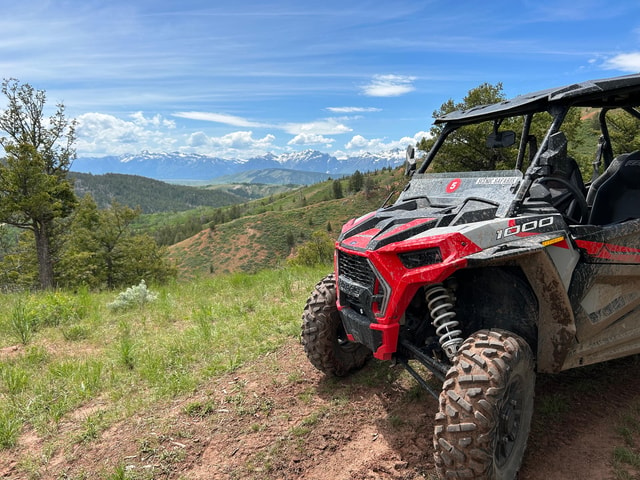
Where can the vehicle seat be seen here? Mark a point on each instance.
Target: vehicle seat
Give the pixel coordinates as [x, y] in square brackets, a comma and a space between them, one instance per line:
[615, 195]
[561, 166]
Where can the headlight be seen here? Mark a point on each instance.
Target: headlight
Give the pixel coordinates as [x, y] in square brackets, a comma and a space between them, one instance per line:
[421, 258]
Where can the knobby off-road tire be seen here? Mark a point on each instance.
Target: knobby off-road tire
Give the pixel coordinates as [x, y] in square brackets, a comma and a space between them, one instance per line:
[323, 336]
[486, 405]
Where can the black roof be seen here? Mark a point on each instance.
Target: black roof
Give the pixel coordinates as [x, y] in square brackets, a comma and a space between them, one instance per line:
[605, 93]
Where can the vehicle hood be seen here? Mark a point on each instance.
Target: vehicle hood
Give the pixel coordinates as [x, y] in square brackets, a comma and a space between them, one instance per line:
[393, 225]
[432, 201]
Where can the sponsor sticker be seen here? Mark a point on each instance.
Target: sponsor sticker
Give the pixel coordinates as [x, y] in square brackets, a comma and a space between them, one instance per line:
[453, 185]
[496, 180]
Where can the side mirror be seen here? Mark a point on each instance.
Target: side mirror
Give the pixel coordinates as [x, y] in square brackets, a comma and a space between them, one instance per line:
[501, 139]
[410, 165]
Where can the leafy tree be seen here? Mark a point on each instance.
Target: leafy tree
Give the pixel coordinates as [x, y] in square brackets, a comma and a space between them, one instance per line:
[467, 151]
[102, 250]
[624, 131]
[18, 263]
[466, 148]
[34, 188]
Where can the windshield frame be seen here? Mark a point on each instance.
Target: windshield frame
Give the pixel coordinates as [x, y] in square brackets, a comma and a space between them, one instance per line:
[558, 113]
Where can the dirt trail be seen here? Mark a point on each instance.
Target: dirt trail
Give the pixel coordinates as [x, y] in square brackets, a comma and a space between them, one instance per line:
[279, 418]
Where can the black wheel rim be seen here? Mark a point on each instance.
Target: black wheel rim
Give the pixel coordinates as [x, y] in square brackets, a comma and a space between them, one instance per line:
[509, 422]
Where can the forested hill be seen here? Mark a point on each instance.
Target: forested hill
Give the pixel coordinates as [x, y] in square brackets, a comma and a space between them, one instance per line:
[276, 176]
[154, 196]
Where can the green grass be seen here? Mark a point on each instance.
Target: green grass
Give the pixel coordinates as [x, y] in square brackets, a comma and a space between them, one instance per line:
[129, 359]
[626, 455]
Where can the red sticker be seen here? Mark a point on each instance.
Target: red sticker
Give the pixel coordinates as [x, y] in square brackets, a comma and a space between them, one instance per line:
[453, 185]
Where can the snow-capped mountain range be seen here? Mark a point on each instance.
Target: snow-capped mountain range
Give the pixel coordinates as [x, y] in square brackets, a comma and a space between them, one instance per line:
[180, 166]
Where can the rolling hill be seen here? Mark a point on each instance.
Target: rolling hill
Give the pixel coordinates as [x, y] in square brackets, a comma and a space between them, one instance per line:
[267, 231]
[275, 176]
[153, 196]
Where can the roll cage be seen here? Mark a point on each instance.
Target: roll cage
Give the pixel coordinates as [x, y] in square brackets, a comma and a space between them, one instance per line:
[606, 95]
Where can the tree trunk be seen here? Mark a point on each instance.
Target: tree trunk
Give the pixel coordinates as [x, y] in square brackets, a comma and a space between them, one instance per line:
[45, 263]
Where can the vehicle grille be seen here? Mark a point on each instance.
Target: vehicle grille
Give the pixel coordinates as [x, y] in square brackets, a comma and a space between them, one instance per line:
[356, 268]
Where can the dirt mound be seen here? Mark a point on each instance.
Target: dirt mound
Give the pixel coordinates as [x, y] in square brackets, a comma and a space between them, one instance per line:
[280, 418]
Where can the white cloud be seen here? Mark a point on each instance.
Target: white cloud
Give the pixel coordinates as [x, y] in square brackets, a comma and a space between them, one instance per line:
[389, 86]
[360, 144]
[102, 134]
[220, 118]
[327, 126]
[155, 121]
[353, 109]
[239, 144]
[626, 62]
[358, 141]
[197, 139]
[310, 139]
[242, 141]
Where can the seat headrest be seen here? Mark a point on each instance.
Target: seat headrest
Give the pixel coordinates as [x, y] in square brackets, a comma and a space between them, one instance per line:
[627, 167]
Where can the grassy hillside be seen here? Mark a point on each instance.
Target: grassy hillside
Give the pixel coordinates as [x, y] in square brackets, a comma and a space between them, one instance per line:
[209, 380]
[60, 351]
[279, 176]
[269, 229]
[154, 196]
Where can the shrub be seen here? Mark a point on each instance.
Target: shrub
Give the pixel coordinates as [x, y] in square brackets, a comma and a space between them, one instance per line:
[317, 251]
[137, 295]
[57, 308]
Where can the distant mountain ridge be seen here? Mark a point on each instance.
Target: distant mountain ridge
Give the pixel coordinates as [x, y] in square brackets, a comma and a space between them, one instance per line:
[273, 176]
[181, 166]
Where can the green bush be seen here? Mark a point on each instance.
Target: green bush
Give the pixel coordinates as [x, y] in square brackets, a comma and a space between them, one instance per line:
[56, 308]
[317, 251]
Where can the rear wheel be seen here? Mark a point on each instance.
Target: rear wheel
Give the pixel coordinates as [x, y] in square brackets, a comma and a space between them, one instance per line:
[486, 406]
[323, 336]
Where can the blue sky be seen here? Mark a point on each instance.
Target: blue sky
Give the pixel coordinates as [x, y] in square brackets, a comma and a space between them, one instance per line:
[239, 78]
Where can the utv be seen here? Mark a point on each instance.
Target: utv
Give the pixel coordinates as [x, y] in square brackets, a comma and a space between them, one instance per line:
[486, 277]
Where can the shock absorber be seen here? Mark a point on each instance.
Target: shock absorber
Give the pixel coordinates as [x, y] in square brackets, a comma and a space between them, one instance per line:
[440, 305]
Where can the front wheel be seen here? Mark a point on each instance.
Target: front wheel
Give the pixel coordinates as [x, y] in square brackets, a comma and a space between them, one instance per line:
[486, 405]
[323, 336]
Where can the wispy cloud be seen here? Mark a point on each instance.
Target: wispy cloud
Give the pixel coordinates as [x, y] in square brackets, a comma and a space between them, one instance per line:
[268, 76]
[327, 126]
[389, 86]
[353, 109]
[625, 62]
[220, 118]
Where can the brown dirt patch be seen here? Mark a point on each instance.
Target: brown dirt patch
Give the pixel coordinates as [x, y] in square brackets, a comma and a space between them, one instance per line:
[279, 418]
[10, 352]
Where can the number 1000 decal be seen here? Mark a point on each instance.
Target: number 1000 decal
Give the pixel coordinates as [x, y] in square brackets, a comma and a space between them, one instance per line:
[524, 228]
